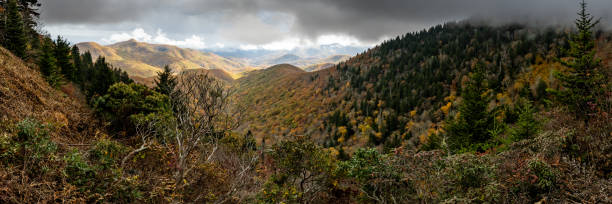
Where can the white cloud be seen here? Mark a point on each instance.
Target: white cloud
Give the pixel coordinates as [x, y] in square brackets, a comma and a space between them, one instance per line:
[291, 43]
[249, 47]
[286, 44]
[137, 34]
[160, 37]
[343, 40]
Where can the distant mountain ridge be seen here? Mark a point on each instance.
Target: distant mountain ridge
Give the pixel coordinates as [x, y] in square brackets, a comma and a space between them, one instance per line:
[144, 60]
[305, 58]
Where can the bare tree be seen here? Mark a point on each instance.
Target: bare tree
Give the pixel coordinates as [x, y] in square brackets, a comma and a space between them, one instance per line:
[202, 116]
[146, 130]
[240, 163]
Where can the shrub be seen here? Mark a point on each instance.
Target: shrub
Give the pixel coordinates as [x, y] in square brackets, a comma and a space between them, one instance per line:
[474, 180]
[299, 165]
[125, 101]
[107, 153]
[378, 179]
[34, 147]
[472, 174]
[77, 171]
[545, 176]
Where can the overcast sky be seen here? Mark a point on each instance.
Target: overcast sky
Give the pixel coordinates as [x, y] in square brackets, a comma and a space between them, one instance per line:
[286, 24]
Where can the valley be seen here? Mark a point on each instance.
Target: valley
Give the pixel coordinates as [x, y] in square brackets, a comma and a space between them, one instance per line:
[241, 104]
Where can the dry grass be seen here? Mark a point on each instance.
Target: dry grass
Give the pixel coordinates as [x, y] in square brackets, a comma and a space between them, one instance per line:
[25, 94]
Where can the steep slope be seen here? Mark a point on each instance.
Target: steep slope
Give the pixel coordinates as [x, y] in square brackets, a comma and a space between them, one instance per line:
[282, 100]
[25, 94]
[400, 92]
[145, 60]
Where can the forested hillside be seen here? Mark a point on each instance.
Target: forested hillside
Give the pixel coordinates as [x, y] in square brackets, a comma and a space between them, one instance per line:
[407, 85]
[458, 113]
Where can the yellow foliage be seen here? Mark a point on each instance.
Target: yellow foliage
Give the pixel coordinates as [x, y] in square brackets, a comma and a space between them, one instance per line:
[413, 113]
[445, 109]
[378, 135]
[409, 125]
[450, 98]
[423, 138]
[431, 131]
[380, 103]
[499, 96]
[342, 130]
[333, 152]
[364, 128]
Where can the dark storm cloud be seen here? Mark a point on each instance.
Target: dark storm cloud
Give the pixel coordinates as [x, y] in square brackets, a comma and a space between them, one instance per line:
[368, 20]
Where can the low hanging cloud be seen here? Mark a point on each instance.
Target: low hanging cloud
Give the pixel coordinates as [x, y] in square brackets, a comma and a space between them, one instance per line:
[260, 22]
[160, 37]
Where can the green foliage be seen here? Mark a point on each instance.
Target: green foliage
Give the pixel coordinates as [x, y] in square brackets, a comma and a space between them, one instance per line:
[99, 176]
[165, 82]
[107, 153]
[15, 40]
[48, 63]
[472, 174]
[77, 61]
[378, 179]
[302, 171]
[470, 130]
[418, 70]
[366, 165]
[435, 141]
[239, 143]
[96, 78]
[539, 178]
[126, 103]
[62, 54]
[583, 82]
[77, 171]
[527, 125]
[36, 149]
[546, 176]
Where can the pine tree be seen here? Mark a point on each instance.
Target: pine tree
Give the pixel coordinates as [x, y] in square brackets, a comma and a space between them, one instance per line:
[62, 55]
[527, 125]
[581, 83]
[48, 64]
[78, 65]
[471, 127]
[15, 40]
[165, 82]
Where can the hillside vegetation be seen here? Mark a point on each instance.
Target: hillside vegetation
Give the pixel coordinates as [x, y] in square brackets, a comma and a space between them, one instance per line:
[458, 113]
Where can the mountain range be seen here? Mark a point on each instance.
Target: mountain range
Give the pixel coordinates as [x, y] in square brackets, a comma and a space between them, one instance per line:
[142, 60]
[145, 60]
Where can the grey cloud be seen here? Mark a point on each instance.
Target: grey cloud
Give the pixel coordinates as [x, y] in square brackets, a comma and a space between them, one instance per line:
[368, 20]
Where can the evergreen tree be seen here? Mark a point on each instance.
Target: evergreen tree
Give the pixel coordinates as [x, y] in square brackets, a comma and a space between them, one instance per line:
[48, 64]
[77, 64]
[62, 54]
[15, 40]
[165, 82]
[581, 83]
[527, 125]
[470, 130]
